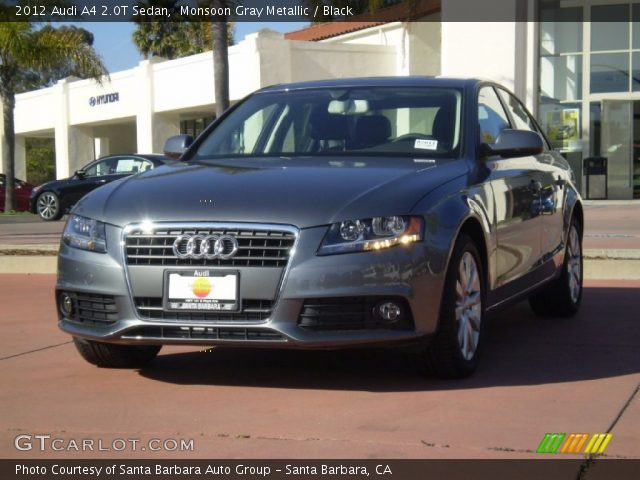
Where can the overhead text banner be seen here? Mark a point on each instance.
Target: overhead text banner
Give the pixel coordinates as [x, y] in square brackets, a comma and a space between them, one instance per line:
[313, 11]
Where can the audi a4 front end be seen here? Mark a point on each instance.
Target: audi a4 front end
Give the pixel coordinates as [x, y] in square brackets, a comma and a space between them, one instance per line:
[323, 215]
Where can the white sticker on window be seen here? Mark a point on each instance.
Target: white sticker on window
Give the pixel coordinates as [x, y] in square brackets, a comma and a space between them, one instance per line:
[423, 144]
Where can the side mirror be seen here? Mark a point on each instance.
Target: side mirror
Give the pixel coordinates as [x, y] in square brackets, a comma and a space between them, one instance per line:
[80, 174]
[515, 143]
[175, 146]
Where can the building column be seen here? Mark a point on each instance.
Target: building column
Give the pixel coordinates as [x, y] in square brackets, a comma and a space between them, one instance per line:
[502, 51]
[101, 146]
[74, 145]
[152, 129]
[2, 139]
[20, 158]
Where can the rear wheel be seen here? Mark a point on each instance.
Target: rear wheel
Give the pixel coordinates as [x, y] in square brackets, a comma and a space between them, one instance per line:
[48, 206]
[455, 349]
[109, 355]
[562, 297]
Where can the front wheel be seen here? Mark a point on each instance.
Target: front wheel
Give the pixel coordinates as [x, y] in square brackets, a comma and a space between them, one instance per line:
[48, 206]
[109, 355]
[562, 297]
[455, 349]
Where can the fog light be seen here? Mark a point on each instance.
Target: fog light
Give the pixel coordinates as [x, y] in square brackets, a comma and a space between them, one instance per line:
[66, 305]
[389, 311]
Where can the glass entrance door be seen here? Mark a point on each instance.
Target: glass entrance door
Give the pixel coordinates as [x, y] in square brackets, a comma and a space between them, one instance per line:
[618, 146]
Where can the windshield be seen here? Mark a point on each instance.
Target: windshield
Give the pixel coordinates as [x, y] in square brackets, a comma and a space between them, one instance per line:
[387, 121]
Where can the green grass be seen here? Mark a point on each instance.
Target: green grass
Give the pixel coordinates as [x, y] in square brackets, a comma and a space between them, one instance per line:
[14, 213]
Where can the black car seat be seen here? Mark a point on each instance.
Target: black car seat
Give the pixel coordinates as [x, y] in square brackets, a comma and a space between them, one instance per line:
[328, 131]
[371, 130]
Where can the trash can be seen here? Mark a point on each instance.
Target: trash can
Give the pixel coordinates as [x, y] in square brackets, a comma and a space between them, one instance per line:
[595, 172]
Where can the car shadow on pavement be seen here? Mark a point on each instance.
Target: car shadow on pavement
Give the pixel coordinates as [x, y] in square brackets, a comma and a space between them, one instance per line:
[602, 341]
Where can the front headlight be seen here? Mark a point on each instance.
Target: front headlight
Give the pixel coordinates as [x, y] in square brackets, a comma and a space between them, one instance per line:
[85, 234]
[371, 234]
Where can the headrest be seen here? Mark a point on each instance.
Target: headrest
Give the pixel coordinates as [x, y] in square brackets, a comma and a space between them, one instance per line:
[372, 130]
[327, 126]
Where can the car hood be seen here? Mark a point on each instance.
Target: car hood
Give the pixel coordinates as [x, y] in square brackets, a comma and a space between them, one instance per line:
[54, 184]
[304, 192]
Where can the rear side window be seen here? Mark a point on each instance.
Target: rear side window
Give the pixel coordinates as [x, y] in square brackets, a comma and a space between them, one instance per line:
[519, 114]
[492, 118]
[132, 165]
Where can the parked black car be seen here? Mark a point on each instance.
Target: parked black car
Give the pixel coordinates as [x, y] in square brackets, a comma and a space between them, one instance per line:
[53, 199]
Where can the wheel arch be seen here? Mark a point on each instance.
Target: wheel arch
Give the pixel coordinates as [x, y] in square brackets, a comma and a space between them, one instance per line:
[472, 228]
[578, 212]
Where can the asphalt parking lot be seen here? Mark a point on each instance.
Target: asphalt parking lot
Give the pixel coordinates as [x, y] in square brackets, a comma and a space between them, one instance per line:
[537, 376]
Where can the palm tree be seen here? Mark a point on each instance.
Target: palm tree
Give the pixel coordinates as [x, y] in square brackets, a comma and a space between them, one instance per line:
[22, 47]
[220, 57]
[157, 37]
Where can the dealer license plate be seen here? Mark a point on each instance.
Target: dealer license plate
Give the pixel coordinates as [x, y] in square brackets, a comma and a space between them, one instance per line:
[201, 290]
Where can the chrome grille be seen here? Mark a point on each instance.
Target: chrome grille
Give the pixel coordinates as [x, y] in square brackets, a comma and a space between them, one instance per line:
[256, 247]
[252, 311]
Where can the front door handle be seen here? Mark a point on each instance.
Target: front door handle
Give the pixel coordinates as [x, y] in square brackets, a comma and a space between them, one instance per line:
[535, 186]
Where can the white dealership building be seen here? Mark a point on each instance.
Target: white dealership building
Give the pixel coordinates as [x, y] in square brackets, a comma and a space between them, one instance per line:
[572, 72]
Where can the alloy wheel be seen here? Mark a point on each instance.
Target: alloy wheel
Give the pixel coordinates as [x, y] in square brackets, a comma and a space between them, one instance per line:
[47, 206]
[468, 305]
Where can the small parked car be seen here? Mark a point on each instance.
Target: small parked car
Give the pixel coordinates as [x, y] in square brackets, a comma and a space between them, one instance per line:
[565, 132]
[23, 193]
[331, 214]
[53, 199]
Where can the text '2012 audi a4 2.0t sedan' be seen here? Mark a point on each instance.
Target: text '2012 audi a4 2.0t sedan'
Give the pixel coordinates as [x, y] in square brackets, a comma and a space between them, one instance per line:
[332, 214]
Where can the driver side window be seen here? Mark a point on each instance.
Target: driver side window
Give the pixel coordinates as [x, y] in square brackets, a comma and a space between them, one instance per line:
[106, 167]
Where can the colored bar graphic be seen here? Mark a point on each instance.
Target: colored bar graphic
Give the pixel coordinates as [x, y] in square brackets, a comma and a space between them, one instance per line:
[598, 443]
[573, 443]
[550, 442]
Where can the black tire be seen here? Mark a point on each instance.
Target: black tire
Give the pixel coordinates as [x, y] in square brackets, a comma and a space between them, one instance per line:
[446, 356]
[558, 298]
[109, 355]
[48, 206]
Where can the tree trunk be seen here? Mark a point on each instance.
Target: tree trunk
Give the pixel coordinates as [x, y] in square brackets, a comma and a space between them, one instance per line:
[220, 60]
[8, 149]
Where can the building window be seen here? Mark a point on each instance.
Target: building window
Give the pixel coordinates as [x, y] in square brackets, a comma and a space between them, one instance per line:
[195, 126]
[612, 34]
[609, 72]
[561, 53]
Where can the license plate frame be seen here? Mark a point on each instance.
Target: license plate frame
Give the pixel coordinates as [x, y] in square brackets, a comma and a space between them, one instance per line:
[188, 305]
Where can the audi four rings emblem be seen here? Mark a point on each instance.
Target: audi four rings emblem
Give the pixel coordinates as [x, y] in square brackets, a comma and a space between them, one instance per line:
[208, 247]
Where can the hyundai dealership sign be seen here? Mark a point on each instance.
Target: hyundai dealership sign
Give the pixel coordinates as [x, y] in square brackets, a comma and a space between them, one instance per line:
[102, 99]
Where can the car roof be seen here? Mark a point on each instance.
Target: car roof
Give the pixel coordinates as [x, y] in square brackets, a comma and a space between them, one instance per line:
[148, 156]
[405, 81]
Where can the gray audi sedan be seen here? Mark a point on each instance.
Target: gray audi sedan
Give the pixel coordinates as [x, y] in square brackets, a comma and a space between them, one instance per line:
[330, 214]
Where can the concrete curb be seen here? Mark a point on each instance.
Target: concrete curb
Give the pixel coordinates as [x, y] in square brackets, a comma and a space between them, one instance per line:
[600, 264]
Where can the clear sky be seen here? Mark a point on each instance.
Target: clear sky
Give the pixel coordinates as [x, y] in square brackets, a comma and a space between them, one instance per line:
[112, 40]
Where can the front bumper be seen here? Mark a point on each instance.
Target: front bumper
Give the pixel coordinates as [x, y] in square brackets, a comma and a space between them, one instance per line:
[411, 273]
